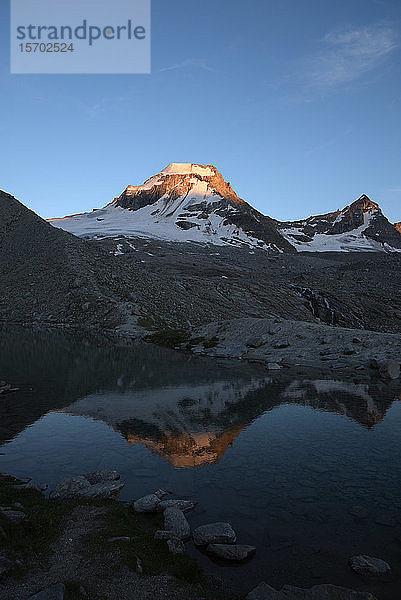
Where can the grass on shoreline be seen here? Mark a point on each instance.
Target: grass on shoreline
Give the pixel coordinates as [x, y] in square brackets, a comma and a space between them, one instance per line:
[31, 540]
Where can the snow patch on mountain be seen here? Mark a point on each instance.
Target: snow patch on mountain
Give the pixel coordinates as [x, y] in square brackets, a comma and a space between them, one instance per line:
[351, 241]
[188, 202]
[113, 221]
[185, 202]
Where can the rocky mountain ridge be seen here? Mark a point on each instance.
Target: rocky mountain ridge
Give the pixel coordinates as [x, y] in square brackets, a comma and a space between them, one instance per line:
[359, 226]
[193, 203]
[184, 202]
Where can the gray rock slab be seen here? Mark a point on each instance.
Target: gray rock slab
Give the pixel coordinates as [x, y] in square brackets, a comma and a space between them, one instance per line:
[235, 552]
[175, 521]
[79, 487]
[108, 489]
[214, 533]
[147, 504]
[69, 488]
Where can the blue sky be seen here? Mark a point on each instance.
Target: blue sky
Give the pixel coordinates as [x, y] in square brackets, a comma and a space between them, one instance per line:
[297, 103]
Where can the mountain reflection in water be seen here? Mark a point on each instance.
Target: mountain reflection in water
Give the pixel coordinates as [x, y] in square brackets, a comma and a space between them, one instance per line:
[193, 425]
[186, 409]
[290, 458]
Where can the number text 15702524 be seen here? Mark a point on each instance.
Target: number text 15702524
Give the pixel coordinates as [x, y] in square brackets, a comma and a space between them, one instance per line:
[46, 47]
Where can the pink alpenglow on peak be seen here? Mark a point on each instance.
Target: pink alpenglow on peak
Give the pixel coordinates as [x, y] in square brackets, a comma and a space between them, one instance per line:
[185, 202]
[189, 169]
[189, 202]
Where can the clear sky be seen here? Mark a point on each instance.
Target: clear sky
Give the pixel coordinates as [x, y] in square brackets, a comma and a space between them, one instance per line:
[297, 103]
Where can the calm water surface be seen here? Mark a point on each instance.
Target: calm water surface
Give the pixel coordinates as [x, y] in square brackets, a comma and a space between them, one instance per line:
[291, 460]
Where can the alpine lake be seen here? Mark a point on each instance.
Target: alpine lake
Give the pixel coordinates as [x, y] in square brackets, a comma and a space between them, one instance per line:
[305, 466]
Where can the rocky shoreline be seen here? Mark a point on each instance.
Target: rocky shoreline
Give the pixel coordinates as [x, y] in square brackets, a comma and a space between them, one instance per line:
[280, 343]
[217, 539]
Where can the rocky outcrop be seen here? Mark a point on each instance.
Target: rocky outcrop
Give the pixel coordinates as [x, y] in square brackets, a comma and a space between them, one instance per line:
[359, 226]
[106, 486]
[330, 310]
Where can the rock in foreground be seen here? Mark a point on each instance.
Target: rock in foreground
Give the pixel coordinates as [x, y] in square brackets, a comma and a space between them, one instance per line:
[80, 487]
[175, 521]
[317, 592]
[368, 565]
[147, 504]
[214, 533]
[231, 551]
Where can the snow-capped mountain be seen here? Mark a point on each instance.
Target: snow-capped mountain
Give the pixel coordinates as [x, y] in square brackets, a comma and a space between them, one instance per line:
[358, 227]
[185, 202]
[188, 202]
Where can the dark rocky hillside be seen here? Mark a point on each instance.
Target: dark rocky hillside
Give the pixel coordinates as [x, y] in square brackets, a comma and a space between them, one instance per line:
[49, 276]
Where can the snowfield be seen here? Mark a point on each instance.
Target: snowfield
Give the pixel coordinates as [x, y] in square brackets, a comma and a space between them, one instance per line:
[113, 221]
[352, 241]
[188, 208]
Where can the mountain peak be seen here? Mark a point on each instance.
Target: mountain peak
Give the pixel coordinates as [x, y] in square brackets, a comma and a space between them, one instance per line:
[191, 202]
[189, 169]
[365, 204]
[201, 183]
